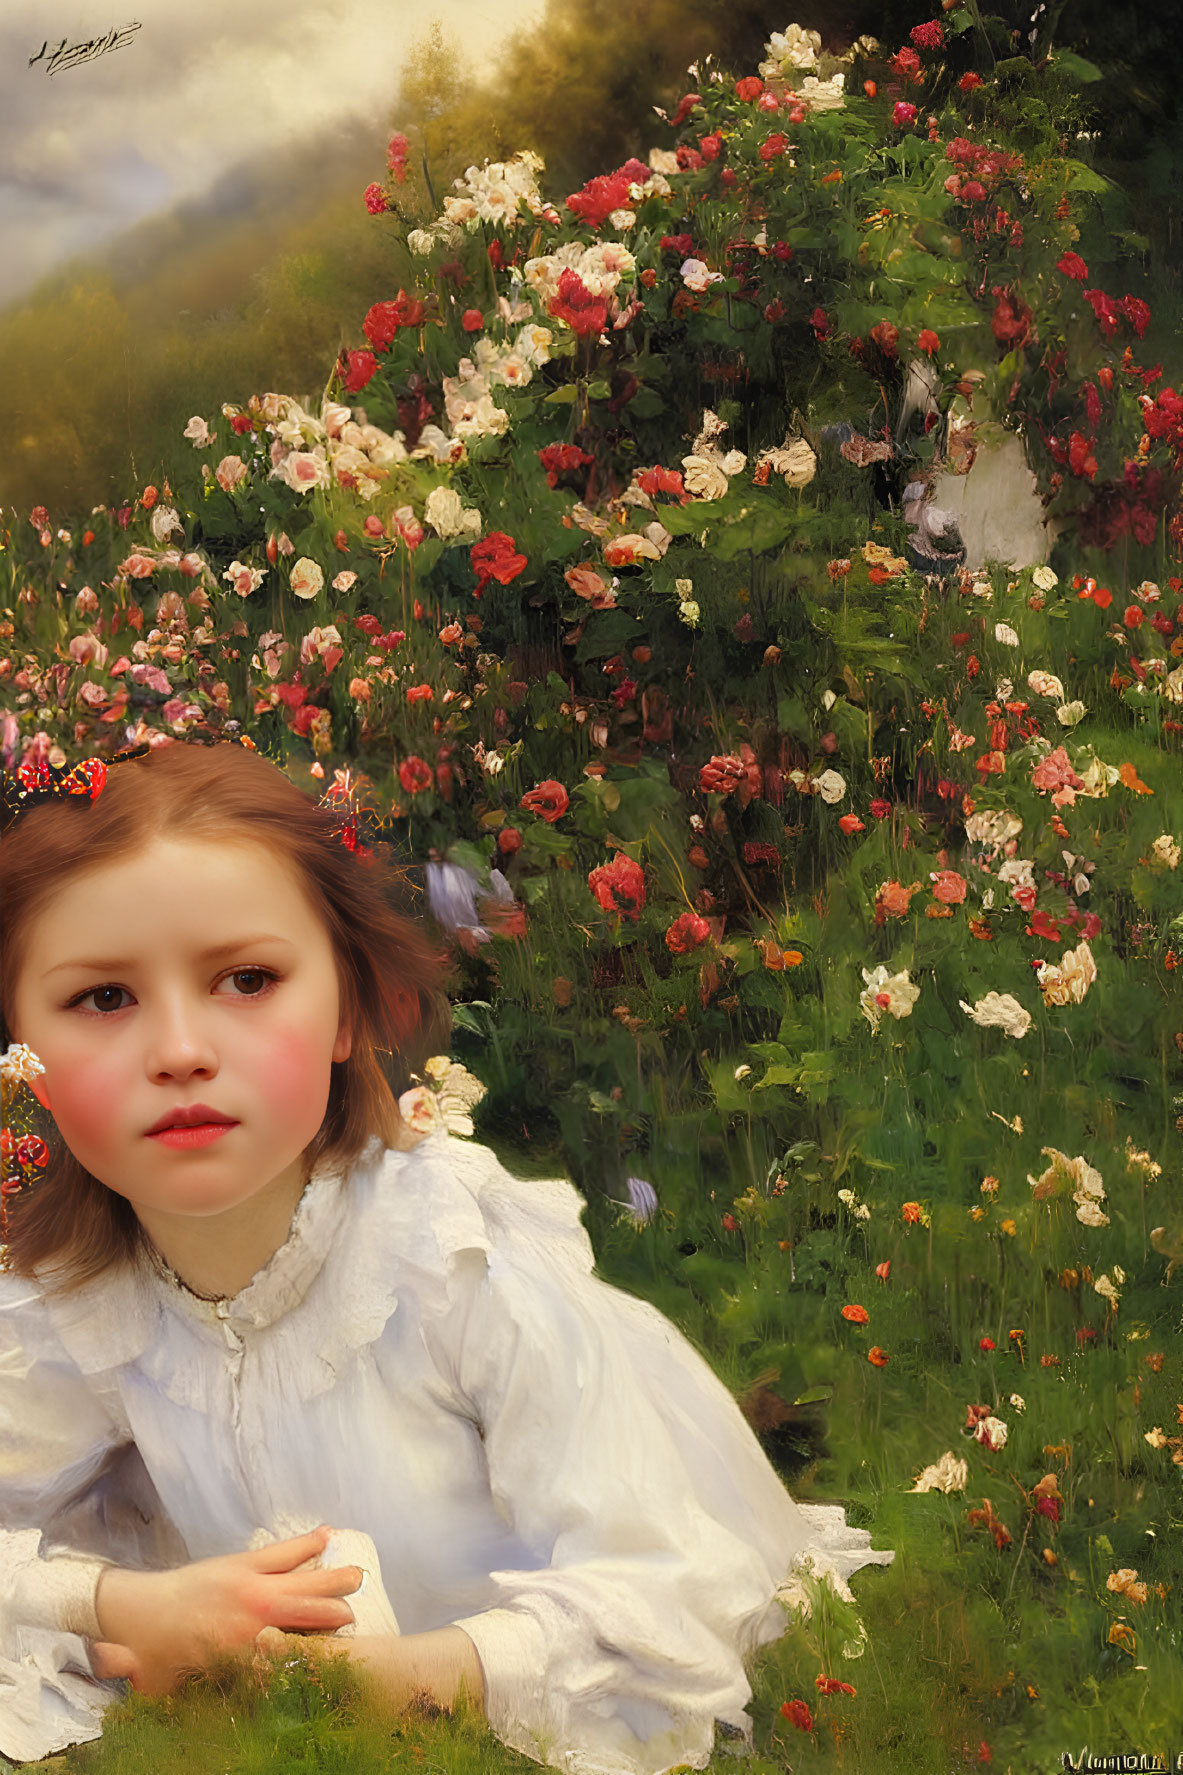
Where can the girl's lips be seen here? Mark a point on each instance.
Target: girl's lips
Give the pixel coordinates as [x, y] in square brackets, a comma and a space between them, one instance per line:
[202, 1135]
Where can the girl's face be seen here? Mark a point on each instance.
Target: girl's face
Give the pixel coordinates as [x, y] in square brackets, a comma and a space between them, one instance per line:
[134, 1020]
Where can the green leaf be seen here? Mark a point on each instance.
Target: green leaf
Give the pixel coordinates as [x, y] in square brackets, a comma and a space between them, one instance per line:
[815, 1396]
[562, 397]
[1066, 61]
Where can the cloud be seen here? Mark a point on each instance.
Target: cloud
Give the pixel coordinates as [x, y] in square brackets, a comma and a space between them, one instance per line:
[92, 148]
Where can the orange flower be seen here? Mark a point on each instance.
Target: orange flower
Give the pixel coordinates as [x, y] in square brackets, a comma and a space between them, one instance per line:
[1132, 780]
[856, 1315]
[877, 1356]
[912, 1212]
[883, 1270]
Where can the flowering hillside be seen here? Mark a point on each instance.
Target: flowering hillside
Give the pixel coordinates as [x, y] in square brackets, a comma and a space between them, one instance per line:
[813, 879]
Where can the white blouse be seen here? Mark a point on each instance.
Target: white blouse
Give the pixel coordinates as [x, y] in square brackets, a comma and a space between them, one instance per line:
[538, 1457]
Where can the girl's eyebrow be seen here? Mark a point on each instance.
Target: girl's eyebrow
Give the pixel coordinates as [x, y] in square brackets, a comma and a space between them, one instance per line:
[210, 954]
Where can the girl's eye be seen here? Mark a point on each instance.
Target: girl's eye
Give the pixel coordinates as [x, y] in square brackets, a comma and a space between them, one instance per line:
[266, 975]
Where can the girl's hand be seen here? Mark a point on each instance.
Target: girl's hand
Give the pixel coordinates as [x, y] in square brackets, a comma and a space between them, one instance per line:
[159, 1627]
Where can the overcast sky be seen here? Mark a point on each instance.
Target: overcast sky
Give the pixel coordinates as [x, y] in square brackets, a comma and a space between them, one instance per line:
[96, 146]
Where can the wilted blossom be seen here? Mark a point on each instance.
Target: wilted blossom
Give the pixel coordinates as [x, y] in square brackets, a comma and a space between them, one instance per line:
[19, 1065]
[947, 1475]
[999, 1010]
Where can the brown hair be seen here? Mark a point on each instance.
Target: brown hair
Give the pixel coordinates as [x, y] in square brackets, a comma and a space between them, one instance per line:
[390, 974]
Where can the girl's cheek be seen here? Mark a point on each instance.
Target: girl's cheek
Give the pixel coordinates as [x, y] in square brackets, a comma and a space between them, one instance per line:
[293, 1074]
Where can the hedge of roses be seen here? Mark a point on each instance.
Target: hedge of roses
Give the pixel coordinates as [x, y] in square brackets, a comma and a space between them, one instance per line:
[814, 888]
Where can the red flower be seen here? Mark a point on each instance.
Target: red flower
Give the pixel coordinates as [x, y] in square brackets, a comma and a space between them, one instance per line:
[396, 154]
[799, 1714]
[375, 200]
[877, 1357]
[880, 808]
[560, 459]
[755, 851]
[549, 800]
[494, 558]
[886, 337]
[1011, 321]
[773, 146]
[1136, 312]
[472, 320]
[584, 312]
[928, 341]
[1105, 310]
[970, 82]
[1043, 927]
[420, 693]
[850, 824]
[749, 88]
[829, 1685]
[356, 369]
[906, 63]
[509, 841]
[856, 1315]
[883, 1270]
[686, 933]
[1073, 266]
[619, 886]
[382, 323]
[605, 193]
[902, 113]
[1134, 616]
[415, 775]
[821, 323]
[1081, 460]
[928, 36]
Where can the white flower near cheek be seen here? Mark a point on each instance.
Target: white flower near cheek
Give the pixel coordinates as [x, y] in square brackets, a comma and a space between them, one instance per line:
[19, 1065]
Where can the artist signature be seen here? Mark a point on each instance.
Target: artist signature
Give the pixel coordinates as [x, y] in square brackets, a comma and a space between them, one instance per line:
[1153, 1762]
[72, 55]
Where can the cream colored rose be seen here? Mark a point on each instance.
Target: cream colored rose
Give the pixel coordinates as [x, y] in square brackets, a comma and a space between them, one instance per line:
[302, 470]
[1005, 634]
[1045, 579]
[446, 514]
[1070, 714]
[307, 579]
[831, 786]
[794, 460]
[1046, 684]
[1165, 850]
[704, 477]
[198, 433]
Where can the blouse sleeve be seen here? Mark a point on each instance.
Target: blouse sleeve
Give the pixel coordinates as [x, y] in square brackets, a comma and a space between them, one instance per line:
[661, 1532]
[55, 1439]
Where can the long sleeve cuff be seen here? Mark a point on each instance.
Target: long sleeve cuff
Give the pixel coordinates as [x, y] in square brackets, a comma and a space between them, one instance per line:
[58, 1594]
[512, 1650]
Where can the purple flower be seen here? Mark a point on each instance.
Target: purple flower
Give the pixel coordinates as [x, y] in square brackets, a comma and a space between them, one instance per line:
[642, 1200]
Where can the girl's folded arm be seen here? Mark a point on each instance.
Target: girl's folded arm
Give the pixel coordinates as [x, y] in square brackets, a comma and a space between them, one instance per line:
[55, 1438]
[659, 1529]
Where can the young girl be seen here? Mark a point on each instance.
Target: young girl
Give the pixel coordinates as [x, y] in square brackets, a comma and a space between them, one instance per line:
[215, 1343]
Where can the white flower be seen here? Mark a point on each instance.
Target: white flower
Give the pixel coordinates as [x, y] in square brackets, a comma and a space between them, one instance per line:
[741, 1072]
[846, 1197]
[862, 1212]
[664, 161]
[1046, 684]
[302, 470]
[1105, 1288]
[1069, 714]
[446, 513]
[1155, 1437]
[307, 578]
[1004, 633]
[198, 433]
[995, 828]
[1088, 1214]
[1165, 850]
[794, 46]
[823, 95]
[420, 241]
[19, 1065]
[343, 581]
[831, 786]
[894, 994]
[947, 1475]
[1019, 1403]
[992, 1434]
[1045, 579]
[698, 276]
[998, 1010]
[689, 612]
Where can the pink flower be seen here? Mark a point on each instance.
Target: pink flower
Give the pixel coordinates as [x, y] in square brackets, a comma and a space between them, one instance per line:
[903, 113]
[375, 200]
[928, 36]
[687, 932]
[229, 472]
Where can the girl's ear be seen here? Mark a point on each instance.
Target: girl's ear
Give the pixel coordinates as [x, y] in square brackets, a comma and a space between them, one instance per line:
[38, 1088]
[343, 1046]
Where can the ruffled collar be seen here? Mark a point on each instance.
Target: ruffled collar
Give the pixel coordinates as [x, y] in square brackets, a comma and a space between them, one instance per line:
[284, 1279]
